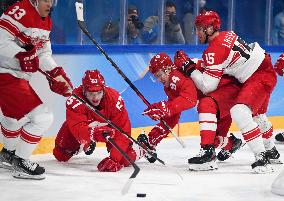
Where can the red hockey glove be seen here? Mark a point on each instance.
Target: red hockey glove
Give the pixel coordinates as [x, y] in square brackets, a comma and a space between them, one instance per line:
[97, 133]
[61, 84]
[109, 165]
[28, 60]
[158, 111]
[279, 65]
[157, 134]
[184, 63]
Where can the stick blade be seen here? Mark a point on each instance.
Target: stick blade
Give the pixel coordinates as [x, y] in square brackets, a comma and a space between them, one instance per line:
[127, 186]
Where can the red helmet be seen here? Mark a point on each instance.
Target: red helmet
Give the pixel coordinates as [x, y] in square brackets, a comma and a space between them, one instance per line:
[160, 61]
[93, 81]
[207, 18]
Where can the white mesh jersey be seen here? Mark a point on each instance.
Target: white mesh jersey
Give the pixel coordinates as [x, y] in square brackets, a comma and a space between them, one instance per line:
[21, 25]
[227, 54]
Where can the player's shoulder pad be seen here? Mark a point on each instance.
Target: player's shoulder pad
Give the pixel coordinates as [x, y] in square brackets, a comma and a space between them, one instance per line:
[113, 98]
[73, 104]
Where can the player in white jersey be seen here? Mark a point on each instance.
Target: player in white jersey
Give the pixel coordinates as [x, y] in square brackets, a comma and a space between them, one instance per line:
[252, 67]
[24, 49]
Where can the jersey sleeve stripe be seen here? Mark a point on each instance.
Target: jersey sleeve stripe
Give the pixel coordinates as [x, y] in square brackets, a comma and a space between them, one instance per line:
[13, 30]
[214, 73]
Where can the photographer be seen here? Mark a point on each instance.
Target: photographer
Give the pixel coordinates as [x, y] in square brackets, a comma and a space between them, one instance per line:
[110, 32]
[134, 25]
[173, 32]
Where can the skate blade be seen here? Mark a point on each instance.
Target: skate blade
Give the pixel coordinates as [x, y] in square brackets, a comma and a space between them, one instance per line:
[275, 161]
[263, 169]
[203, 167]
[6, 166]
[22, 175]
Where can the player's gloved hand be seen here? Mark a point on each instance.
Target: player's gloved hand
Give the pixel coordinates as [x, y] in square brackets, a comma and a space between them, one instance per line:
[184, 63]
[90, 148]
[158, 111]
[109, 165]
[28, 60]
[279, 65]
[96, 133]
[60, 83]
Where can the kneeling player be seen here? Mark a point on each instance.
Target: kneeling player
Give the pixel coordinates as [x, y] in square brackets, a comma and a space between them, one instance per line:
[83, 128]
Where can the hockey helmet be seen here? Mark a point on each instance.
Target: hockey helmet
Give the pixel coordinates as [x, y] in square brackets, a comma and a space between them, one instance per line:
[36, 2]
[207, 18]
[160, 61]
[93, 81]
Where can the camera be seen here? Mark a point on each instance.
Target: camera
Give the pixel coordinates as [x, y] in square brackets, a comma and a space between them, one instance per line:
[173, 18]
[137, 23]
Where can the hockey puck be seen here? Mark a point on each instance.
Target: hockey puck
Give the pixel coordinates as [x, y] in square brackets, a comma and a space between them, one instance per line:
[141, 195]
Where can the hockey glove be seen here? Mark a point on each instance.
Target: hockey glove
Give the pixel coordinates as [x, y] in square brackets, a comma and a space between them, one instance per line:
[61, 84]
[109, 165]
[28, 60]
[184, 63]
[279, 65]
[96, 133]
[158, 111]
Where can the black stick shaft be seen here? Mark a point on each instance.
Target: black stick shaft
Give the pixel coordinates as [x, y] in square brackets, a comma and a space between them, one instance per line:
[115, 126]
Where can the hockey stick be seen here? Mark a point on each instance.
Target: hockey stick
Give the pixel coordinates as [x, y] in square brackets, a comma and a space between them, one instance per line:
[115, 126]
[118, 129]
[129, 182]
[107, 120]
[83, 27]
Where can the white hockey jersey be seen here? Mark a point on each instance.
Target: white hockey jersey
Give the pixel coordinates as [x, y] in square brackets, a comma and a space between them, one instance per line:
[227, 54]
[21, 25]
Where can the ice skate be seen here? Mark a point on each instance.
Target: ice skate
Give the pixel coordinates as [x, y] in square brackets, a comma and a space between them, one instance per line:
[225, 154]
[6, 157]
[25, 169]
[205, 160]
[273, 156]
[279, 138]
[262, 164]
[143, 139]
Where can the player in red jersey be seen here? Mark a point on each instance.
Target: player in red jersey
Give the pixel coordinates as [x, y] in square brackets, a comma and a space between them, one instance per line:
[182, 95]
[228, 54]
[83, 128]
[24, 48]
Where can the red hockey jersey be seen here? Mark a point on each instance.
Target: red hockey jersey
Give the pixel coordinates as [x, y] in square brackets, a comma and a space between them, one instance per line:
[79, 116]
[181, 94]
[20, 25]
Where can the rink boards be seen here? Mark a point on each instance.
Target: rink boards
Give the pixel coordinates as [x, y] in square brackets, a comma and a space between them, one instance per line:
[133, 61]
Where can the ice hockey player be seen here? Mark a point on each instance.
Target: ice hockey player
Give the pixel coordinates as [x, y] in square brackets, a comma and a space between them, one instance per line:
[24, 48]
[83, 128]
[182, 95]
[279, 68]
[214, 119]
[251, 66]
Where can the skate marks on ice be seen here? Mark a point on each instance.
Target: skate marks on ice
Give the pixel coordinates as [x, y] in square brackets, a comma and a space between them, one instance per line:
[79, 179]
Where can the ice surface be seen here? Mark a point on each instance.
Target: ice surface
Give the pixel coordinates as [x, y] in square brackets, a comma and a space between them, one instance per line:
[79, 179]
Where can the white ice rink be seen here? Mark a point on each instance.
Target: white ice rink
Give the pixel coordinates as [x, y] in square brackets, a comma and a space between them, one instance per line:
[79, 179]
